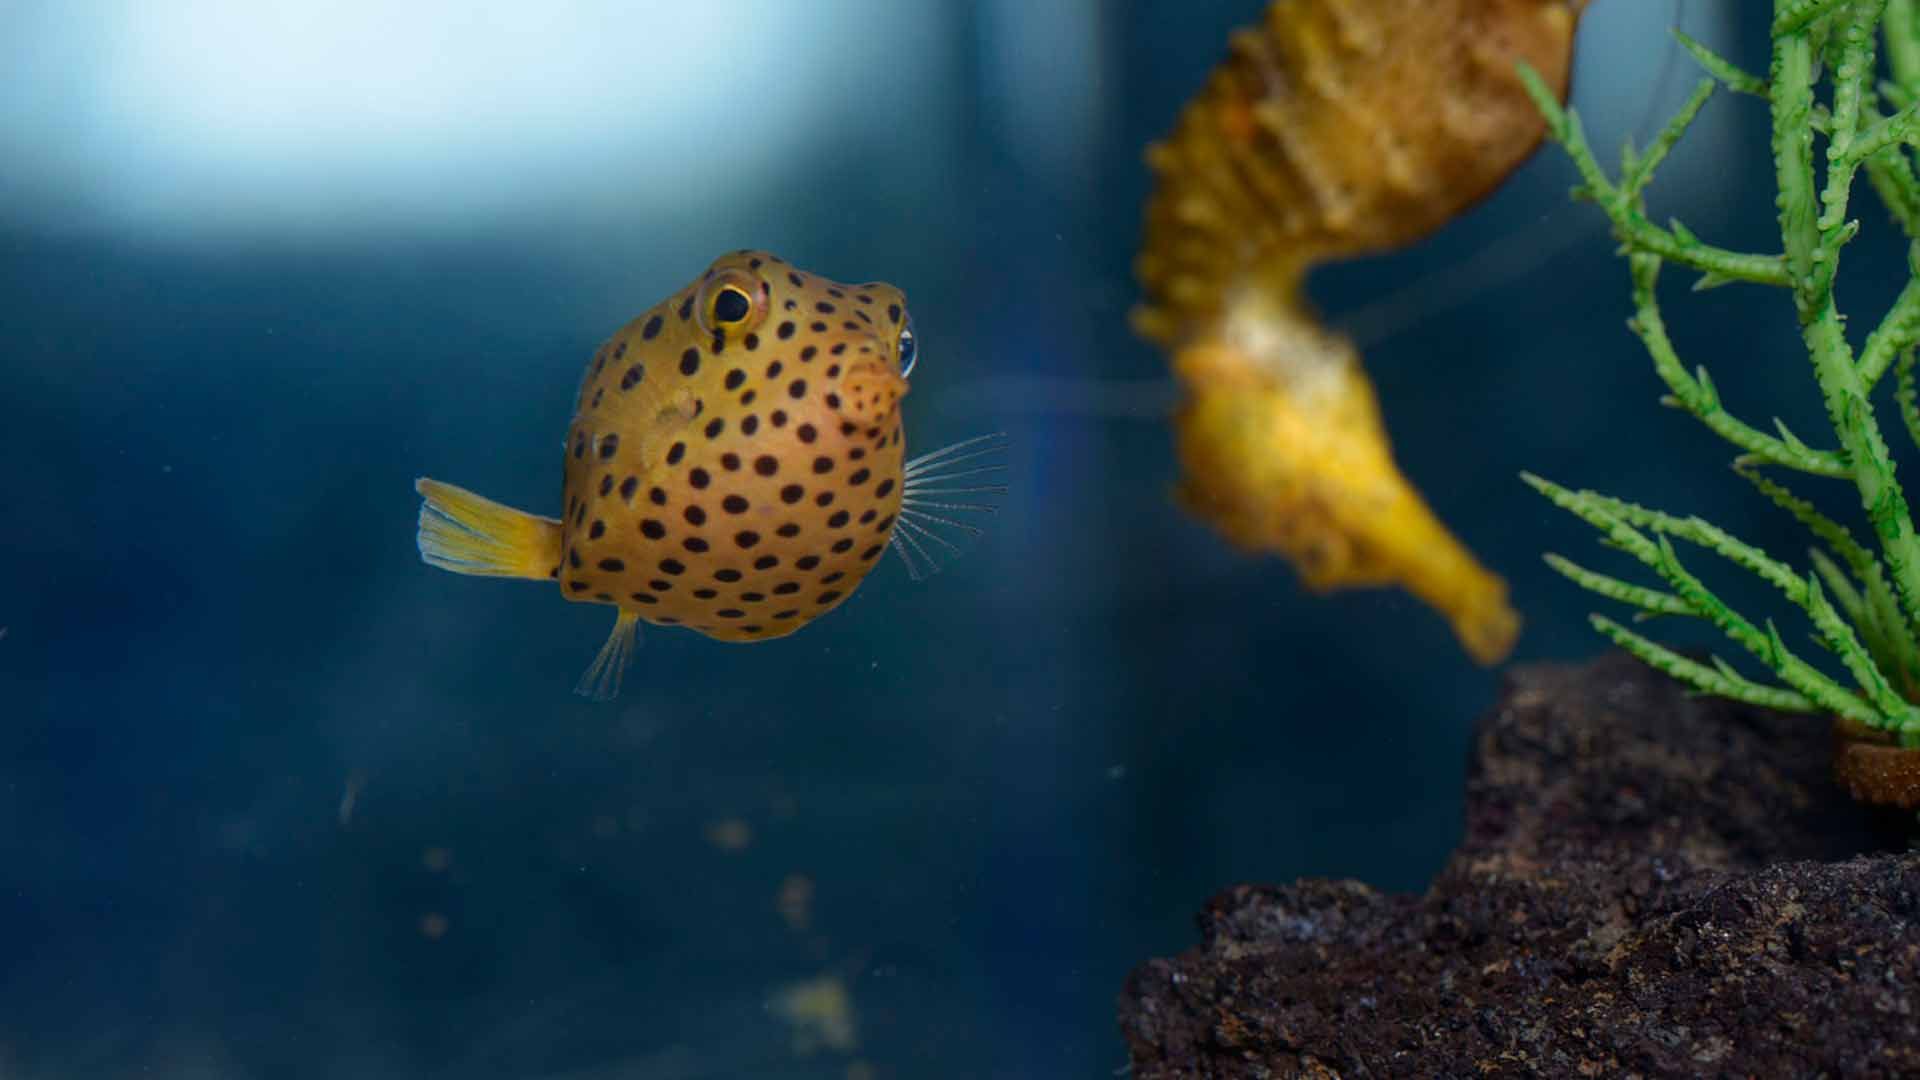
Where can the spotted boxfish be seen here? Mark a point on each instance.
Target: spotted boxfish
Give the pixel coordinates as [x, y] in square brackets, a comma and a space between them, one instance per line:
[735, 465]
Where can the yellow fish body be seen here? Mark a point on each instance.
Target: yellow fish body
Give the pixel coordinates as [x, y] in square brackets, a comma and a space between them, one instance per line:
[735, 465]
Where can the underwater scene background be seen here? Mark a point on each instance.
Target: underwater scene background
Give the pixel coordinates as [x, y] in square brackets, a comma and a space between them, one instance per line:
[278, 799]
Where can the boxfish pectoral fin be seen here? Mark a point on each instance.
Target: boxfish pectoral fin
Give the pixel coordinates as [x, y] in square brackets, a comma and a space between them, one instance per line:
[470, 534]
[936, 489]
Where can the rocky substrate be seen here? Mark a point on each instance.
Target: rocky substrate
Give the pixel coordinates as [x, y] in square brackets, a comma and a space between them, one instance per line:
[1649, 885]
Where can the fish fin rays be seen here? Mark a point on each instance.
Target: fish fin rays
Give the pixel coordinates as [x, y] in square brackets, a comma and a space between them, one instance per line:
[470, 534]
[940, 486]
[601, 681]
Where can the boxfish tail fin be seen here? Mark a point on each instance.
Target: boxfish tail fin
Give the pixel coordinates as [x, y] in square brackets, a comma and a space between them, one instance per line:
[469, 534]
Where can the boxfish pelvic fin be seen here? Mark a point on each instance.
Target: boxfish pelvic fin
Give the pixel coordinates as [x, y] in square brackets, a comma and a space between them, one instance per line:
[470, 534]
[602, 679]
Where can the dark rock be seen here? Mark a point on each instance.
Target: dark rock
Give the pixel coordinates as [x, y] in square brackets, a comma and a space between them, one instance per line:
[1649, 885]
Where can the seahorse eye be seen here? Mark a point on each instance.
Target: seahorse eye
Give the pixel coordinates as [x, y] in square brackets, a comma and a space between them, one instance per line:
[907, 349]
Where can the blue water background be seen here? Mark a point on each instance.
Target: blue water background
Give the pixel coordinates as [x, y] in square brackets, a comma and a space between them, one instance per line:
[252, 751]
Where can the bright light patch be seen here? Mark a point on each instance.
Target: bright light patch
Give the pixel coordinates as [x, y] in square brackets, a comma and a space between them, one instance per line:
[222, 114]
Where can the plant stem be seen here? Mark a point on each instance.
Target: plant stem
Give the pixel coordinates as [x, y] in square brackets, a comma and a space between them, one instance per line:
[1812, 249]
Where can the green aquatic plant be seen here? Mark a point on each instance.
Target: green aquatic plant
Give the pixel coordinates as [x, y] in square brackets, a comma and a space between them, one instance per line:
[1834, 115]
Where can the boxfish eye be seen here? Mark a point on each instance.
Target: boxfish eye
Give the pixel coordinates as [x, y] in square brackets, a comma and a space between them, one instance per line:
[730, 305]
[732, 301]
[907, 350]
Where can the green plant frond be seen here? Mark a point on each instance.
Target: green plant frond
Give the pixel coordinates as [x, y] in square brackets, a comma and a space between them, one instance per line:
[1892, 710]
[1901, 29]
[1857, 557]
[1793, 442]
[1621, 521]
[1861, 595]
[1649, 601]
[1729, 75]
[1797, 15]
[1611, 517]
[1630, 226]
[1852, 604]
[1636, 174]
[1719, 680]
[1884, 132]
[1892, 176]
[1898, 330]
[1605, 511]
[1854, 49]
[1695, 392]
[1790, 102]
[1900, 650]
[1880, 494]
[1907, 395]
[1859, 610]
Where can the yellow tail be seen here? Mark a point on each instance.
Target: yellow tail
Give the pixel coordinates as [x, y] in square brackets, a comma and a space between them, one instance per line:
[468, 534]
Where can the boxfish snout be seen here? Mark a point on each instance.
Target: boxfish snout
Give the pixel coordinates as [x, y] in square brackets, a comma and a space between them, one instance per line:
[869, 392]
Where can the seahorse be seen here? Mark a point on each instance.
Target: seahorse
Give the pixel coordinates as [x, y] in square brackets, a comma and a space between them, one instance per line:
[1334, 128]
